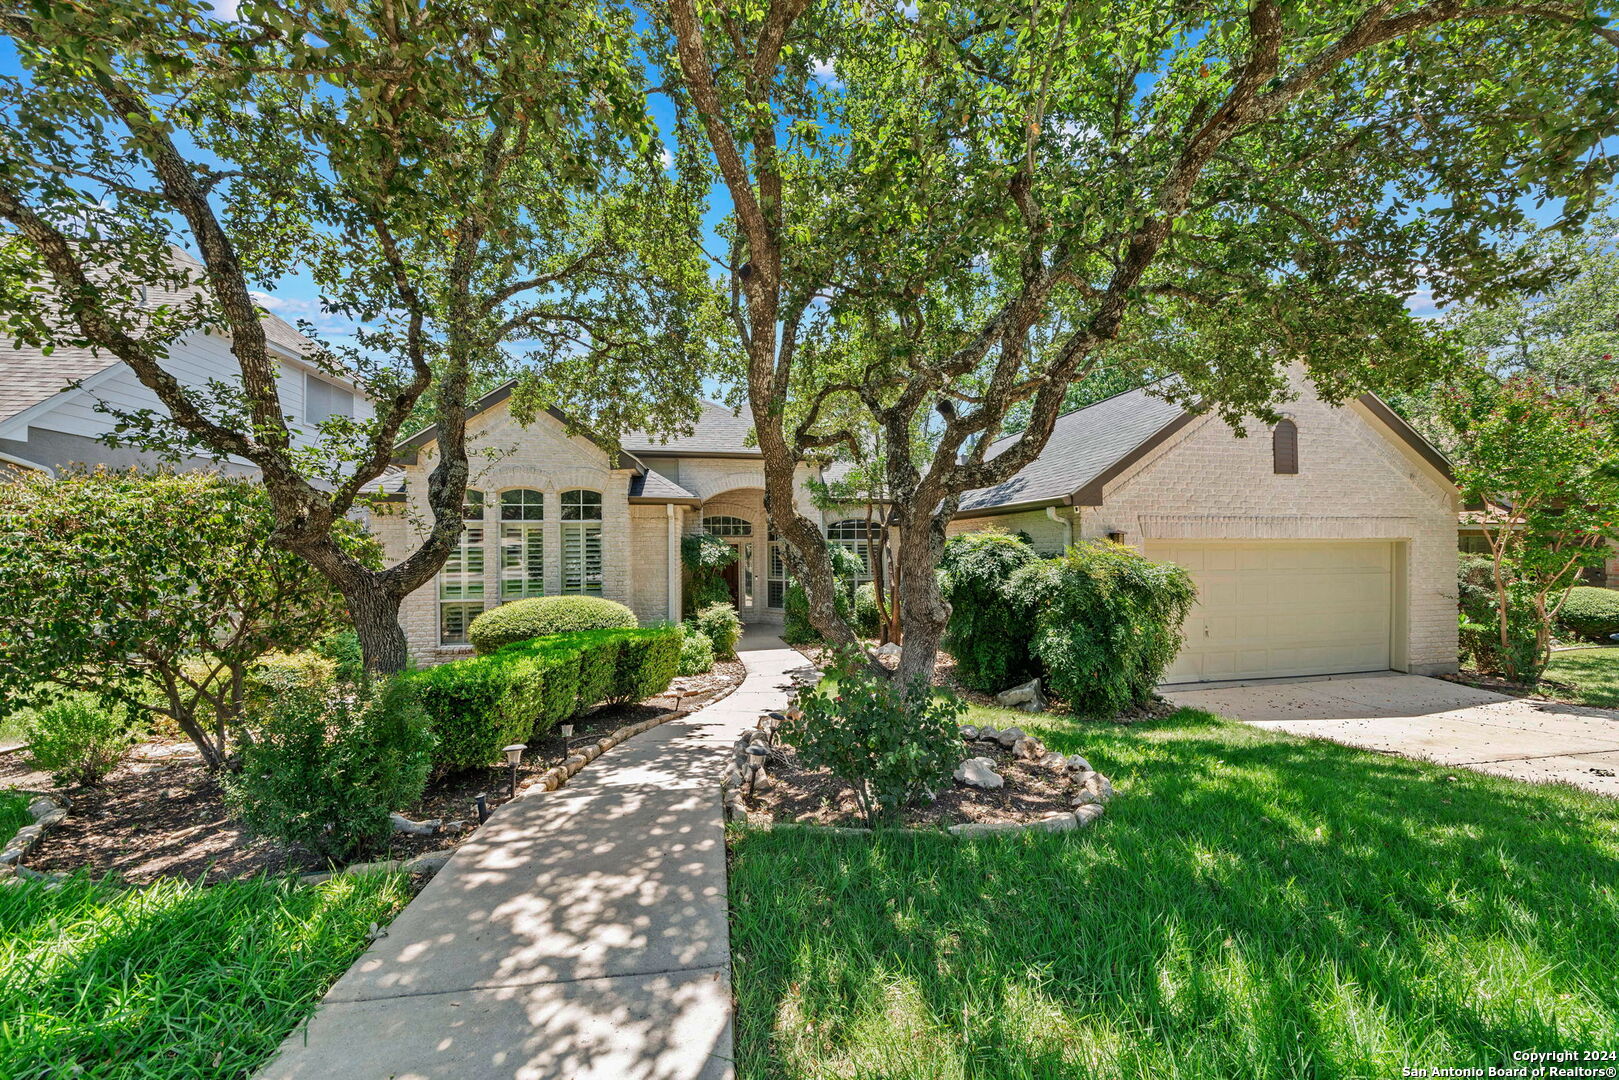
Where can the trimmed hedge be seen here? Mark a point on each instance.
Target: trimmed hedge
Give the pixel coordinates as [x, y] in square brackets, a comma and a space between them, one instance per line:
[991, 629]
[542, 615]
[483, 703]
[1590, 613]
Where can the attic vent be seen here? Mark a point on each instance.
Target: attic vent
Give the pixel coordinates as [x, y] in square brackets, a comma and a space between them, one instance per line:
[1285, 448]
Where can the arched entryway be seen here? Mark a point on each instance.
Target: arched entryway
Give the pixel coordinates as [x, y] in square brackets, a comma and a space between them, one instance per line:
[757, 579]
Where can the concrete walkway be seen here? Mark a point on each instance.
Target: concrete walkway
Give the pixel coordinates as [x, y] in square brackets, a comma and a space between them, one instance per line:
[1433, 720]
[579, 934]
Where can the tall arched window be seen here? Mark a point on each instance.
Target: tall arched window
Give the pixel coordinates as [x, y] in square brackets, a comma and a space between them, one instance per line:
[856, 535]
[1285, 448]
[582, 542]
[522, 544]
[460, 580]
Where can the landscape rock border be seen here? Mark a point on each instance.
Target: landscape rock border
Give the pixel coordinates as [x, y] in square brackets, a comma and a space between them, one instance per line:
[748, 768]
[47, 809]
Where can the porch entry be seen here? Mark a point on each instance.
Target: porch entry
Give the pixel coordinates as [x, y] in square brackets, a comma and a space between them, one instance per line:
[756, 579]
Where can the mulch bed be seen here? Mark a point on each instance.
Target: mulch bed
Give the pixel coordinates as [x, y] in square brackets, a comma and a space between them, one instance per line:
[813, 796]
[162, 814]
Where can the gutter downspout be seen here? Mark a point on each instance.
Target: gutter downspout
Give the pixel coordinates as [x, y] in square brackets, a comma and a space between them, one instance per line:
[673, 561]
[1067, 523]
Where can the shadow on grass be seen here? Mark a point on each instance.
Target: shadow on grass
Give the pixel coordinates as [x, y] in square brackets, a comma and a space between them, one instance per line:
[1252, 905]
[176, 980]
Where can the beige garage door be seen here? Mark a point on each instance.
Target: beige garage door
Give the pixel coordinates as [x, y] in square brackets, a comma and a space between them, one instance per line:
[1269, 609]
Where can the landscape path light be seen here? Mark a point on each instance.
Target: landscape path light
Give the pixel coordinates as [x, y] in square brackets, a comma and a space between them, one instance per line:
[514, 758]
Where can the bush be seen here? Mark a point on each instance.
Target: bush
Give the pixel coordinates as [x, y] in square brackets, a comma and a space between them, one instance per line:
[77, 738]
[1107, 623]
[1479, 623]
[1590, 613]
[696, 651]
[343, 649]
[866, 621]
[521, 620]
[280, 671]
[990, 632]
[722, 626]
[796, 626]
[483, 703]
[326, 765]
[705, 557]
[887, 742]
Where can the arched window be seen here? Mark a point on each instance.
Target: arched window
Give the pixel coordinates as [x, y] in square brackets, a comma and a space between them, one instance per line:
[1285, 448]
[460, 580]
[722, 525]
[522, 544]
[856, 535]
[582, 542]
[522, 504]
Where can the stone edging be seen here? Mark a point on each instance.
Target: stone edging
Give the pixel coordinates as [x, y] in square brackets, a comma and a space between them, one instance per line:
[47, 809]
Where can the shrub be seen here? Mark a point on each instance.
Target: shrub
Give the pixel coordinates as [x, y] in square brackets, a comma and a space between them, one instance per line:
[326, 765]
[521, 620]
[696, 651]
[78, 738]
[280, 671]
[796, 628]
[866, 621]
[1479, 625]
[990, 632]
[647, 662]
[887, 742]
[483, 703]
[343, 649]
[705, 557]
[1590, 613]
[1107, 623]
[722, 626]
[846, 570]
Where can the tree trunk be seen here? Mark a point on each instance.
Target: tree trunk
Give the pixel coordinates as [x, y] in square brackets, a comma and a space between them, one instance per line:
[921, 605]
[375, 611]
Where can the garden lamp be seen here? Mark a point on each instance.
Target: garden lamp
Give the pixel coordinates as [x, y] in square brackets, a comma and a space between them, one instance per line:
[514, 758]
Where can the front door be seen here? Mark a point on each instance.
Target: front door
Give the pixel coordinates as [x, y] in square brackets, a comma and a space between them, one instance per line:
[733, 581]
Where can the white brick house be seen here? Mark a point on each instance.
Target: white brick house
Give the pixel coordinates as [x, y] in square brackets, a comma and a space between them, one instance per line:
[1327, 546]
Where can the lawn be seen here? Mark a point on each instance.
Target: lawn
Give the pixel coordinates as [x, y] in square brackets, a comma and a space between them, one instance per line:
[1594, 674]
[176, 980]
[13, 814]
[1252, 905]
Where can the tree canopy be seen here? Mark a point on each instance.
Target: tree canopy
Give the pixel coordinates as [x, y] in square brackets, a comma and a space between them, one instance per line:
[993, 199]
[461, 181]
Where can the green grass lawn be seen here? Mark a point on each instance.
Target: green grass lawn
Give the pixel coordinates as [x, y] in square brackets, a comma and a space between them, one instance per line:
[175, 980]
[1594, 673]
[13, 814]
[1252, 905]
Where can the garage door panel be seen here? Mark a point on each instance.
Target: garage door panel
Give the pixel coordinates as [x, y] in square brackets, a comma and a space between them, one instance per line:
[1271, 609]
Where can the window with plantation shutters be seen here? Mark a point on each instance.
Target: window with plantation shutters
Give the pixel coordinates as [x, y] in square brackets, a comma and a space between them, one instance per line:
[858, 536]
[776, 578]
[522, 544]
[582, 542]
[1285, 448]
[460, 586]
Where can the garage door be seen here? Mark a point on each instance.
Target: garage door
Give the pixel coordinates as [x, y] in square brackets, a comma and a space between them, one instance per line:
[1267, 610]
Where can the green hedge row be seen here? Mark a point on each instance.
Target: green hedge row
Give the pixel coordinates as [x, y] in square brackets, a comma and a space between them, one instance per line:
[483, 703]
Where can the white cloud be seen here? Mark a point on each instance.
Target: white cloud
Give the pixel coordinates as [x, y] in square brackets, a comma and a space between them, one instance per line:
[823, 72]
[225, 10]
[668, 157]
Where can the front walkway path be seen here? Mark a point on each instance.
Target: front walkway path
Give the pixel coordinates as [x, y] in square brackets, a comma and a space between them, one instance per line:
[1434, 720]
[580, 933]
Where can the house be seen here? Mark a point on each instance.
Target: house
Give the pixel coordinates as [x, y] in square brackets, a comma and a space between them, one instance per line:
[1325, 545]
[52, 406]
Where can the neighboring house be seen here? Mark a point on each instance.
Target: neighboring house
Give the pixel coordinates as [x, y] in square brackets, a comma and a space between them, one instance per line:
[1471, 540]
[1325, 545]
[49, 415]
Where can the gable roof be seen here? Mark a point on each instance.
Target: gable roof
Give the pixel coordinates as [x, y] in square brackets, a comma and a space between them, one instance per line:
[653, 486]
[29, 376]
[719, 432]
[1087, 448]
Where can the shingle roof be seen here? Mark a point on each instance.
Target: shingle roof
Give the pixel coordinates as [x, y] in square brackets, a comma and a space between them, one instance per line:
[28, 376]
[718, 430]
[655, 485]
[1084, 444]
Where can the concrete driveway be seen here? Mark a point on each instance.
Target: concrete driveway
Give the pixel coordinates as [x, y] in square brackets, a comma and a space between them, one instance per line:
[1433, 720]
